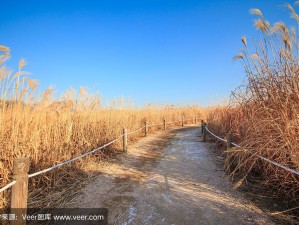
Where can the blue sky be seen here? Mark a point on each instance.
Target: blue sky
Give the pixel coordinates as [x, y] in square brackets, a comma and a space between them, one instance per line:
[151, 51]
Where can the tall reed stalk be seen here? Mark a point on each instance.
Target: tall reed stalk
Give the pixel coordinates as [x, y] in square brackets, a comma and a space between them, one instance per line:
[50, 130]
[264, 112]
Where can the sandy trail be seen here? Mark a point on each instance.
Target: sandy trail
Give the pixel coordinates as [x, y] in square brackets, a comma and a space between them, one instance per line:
[169, 178]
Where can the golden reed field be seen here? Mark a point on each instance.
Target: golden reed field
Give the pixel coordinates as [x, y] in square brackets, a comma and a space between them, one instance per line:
[50, 130]
[263, 115]
[264, 112]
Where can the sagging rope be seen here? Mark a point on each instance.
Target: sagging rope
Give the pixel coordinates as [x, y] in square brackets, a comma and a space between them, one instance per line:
[78, 157]
[63, 163]
[7, 186]
[215, 135]
[157, 124]
[134, 131]
[261, 157]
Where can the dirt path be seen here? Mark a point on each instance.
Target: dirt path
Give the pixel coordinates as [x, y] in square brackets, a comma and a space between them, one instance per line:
[169, 178]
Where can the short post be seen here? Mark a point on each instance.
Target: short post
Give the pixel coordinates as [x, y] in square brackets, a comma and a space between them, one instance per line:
[202, 126]
[229, 140]
[19, 193]
[164, 123]
[145, 129]
[195, 120]
[204, 139]
[182, 121]
[125, 140]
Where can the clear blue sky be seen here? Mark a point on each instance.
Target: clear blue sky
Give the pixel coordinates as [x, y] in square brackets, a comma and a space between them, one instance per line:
[152, 51]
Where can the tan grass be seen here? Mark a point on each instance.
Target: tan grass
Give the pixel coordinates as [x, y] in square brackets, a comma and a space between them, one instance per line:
[50, 130]
[264, 112]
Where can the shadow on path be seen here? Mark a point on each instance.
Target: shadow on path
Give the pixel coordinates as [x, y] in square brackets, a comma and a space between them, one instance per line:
[168, 178]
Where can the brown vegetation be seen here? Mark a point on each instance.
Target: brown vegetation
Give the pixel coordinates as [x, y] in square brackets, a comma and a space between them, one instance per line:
[50, 131]
[264, 112]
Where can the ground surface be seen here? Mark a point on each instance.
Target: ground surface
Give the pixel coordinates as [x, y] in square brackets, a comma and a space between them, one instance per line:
[168, 178]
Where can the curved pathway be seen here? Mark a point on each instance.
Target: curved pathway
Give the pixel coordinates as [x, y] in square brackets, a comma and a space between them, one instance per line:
[169, 178]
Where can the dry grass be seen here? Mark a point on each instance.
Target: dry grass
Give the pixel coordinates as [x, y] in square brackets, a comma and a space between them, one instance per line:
[50, 131]
[264, 112]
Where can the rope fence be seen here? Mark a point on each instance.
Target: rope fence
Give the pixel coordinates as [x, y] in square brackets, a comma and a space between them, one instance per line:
[204, 127]
[134, 131]
[7, 186]
[74, 159]
[157, 124]
[21, 166]
[221, 139]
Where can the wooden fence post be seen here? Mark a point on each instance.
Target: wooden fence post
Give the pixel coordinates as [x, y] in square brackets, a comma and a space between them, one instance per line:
[204, 132]
[125, 140]
[145, 129]
[182, 121]
[164, 121]
[19, 192]
[195, 120]
[202, 126]
[229, 140]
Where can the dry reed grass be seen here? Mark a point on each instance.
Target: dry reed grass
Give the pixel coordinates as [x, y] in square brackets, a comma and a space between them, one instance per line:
[264, 112]
[50, 131]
